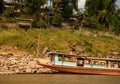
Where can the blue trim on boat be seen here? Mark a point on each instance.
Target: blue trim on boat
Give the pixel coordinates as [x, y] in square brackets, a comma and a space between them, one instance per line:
[94, 66]
[56, 61]
[63, 63]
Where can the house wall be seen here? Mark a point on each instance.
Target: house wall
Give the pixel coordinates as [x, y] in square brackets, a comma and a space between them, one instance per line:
[81, 4]
[9, 1]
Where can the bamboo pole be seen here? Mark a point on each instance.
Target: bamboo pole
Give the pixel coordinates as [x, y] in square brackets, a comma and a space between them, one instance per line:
[38, 46]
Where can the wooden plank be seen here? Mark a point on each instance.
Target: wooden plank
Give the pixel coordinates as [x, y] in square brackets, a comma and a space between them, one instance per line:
[21, 19]
[24, 25]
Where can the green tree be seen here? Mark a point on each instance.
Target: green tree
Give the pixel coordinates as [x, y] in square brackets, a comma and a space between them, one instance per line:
[57, 19]
[38, 21]
[118, 11]
[65, 6]
[31, 6]
[95, 6]
[104, 12]
[9, 12]
[1, 6]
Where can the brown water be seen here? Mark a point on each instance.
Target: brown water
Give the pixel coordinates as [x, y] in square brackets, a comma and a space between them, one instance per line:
[58, 79]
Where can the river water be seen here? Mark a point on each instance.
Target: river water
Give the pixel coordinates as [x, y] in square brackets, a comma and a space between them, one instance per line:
[58, 79]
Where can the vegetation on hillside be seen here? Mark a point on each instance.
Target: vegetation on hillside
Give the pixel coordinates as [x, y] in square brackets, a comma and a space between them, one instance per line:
[102, 15]
[99, 16]
[85, 41]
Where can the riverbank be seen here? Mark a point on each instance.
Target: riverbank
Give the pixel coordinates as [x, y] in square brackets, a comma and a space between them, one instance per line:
[12, 63]
[20, 49]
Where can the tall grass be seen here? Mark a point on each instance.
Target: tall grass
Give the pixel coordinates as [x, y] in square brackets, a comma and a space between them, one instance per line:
[19, 38]
[59, 40]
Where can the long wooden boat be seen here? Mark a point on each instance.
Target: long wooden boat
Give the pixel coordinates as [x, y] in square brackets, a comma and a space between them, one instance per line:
[83, 65]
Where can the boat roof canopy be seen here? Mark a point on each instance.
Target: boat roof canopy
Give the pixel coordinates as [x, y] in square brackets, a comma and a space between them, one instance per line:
[85, 57]
[96, 58]
[62, 54]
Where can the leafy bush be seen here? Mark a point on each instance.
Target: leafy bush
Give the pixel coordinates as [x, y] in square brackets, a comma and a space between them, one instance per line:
[38, 22]
[57, 19]
[8, 12]
[32, 5]
[68, 11]
[3, 26]
[114, 23]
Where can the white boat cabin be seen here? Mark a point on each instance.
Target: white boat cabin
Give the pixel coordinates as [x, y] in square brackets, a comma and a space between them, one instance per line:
[82, 61]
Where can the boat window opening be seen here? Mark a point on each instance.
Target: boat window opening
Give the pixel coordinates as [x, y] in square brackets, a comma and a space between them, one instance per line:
[107, 64]
[112, 65]
[95, 62]
[72, 59]
[60, 58]
[102, 63]
[86, 61]
[118, 64]
[66, 59]
[52, 59]
[80, 62]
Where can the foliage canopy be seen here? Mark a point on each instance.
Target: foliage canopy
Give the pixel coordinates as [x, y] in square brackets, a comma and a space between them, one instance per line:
[105, 14]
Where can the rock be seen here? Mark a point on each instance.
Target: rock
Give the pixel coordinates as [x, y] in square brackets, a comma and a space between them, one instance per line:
[16, 70]
[34, 71]
[38, 71]
[45, 70]
[44, 61]
[21, 66]
[1, 54]
[13, 66]
[4, 69]
[32, 64]
[7, 62]
[38, 66]
[1, 62]
[23, 63]
[10, 54]
[99, 55]
[28, 70]
[7, 73]
[115, 53]
[13, 62]
[45, 50]
[109, 53]
[95, 35]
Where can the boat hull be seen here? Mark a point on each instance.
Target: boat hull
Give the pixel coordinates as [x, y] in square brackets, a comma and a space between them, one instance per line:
[82, 70]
